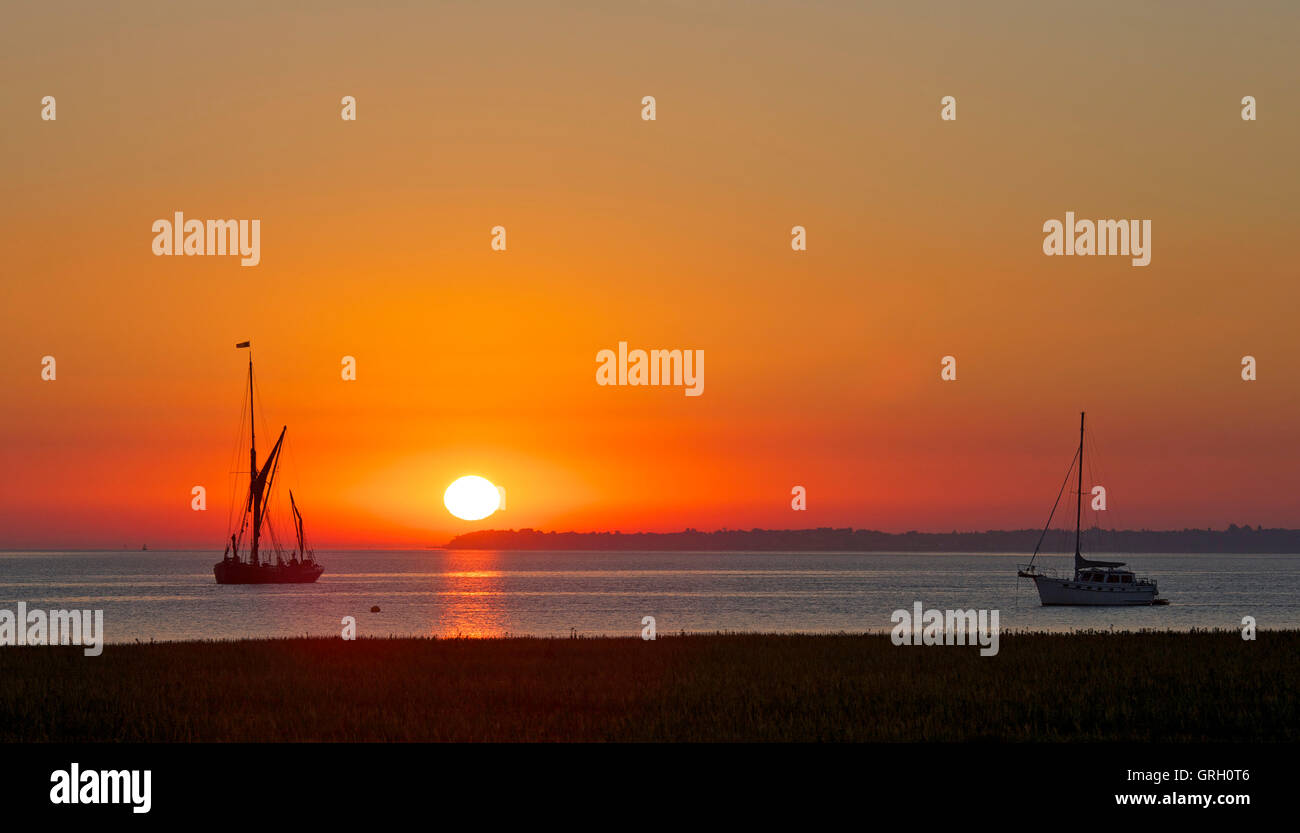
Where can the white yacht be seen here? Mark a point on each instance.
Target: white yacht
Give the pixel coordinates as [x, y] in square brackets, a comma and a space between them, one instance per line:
[1093, 582]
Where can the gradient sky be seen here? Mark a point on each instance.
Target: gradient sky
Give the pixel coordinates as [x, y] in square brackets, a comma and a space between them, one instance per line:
[822, 368]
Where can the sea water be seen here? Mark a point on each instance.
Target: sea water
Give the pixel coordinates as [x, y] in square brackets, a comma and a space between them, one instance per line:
[172, 595]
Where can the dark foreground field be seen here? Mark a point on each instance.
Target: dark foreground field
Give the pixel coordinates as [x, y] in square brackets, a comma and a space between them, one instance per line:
[1126, 687]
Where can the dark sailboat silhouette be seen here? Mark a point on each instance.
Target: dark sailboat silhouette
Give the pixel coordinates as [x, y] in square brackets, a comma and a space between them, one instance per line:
[251, 565]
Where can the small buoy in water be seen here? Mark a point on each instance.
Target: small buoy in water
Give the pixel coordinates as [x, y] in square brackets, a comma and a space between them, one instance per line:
[374, 609]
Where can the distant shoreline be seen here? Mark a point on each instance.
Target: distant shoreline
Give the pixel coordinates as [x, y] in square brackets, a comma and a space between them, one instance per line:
[1233, 540]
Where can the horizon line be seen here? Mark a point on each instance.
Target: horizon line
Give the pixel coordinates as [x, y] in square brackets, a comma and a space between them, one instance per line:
[1243, 528]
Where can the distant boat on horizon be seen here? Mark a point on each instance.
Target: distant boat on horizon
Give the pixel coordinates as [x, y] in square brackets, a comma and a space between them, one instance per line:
[246, 565]
[1096, 583]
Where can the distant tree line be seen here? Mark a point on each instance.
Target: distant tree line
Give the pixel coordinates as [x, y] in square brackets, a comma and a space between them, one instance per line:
[1234, 539]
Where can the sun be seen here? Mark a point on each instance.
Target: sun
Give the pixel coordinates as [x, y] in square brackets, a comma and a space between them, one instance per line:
[472, 498]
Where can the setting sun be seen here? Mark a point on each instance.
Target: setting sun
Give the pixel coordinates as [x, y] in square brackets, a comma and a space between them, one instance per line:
[472, 498]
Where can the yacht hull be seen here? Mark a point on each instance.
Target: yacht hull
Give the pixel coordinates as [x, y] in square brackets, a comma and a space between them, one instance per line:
[1061, 591]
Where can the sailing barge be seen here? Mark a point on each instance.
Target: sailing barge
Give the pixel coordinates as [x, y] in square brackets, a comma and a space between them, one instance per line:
[249, 564]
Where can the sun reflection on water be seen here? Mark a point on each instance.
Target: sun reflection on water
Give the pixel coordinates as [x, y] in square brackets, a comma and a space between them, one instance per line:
[471, 602]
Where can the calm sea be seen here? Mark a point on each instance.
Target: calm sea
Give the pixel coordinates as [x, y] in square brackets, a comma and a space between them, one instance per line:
[172, 595]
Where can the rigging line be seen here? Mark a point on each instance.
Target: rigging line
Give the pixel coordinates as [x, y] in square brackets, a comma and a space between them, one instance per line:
[287, 469]
[258, 388]
[1039, 545]
[1102, 536]
[270, 492]
[1098, 536]
[1104, 477]
[234, 485]
[230, 510]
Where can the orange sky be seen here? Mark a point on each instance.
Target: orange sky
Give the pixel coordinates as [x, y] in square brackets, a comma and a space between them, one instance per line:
[822, 367]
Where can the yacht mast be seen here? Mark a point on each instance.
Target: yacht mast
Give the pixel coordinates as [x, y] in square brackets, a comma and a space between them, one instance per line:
[1078, 506]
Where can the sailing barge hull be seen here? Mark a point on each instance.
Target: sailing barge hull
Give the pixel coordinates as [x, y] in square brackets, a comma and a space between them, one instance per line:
[241, 572]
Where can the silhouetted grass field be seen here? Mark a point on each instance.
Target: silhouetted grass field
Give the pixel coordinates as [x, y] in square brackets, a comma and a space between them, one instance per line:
[1040, 687]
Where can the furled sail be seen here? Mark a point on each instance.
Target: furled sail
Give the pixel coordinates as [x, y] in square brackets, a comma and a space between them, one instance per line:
[256, 489]
[1081, 563]
[297, 522]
